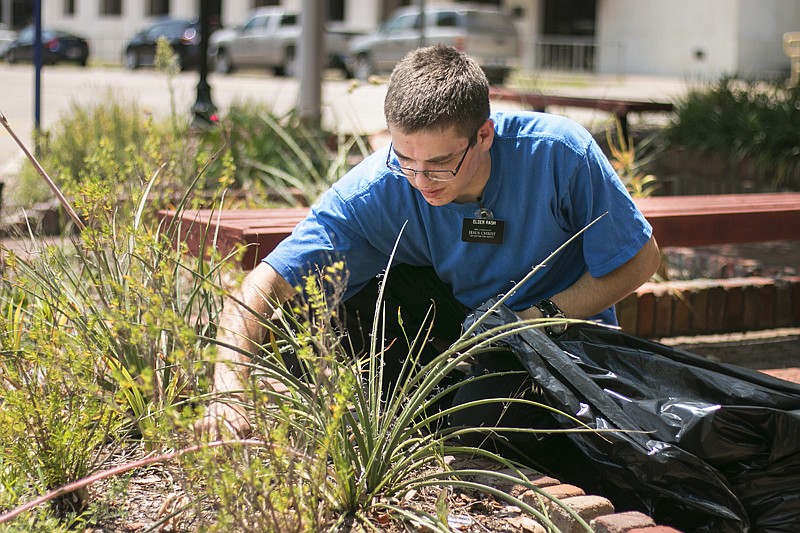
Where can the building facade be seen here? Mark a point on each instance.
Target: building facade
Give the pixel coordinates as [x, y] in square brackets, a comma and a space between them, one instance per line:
[688, 38]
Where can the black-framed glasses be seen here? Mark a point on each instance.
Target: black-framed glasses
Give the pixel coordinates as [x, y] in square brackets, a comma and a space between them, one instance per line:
[433, 174]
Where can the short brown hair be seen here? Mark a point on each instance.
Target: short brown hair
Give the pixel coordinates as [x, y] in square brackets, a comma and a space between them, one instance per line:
[435, 88]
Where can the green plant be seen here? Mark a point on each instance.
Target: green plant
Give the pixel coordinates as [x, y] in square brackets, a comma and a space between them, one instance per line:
[624, 161]
[281, 158]
[752, 121]
[125, 292]
[113, 148]
[56, 424]
[117, 147]
[167, 62]
[344, 442]
[338, 451]
[101, 341]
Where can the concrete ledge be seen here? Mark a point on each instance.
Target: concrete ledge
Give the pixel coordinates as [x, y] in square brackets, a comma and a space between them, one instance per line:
[761, 350]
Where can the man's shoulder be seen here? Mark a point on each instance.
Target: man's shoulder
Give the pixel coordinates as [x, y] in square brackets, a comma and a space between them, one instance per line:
[366, 188]
[367, 178]
[541, 128]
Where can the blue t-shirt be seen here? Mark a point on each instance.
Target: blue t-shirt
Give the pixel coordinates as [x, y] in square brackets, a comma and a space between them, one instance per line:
[548, 180]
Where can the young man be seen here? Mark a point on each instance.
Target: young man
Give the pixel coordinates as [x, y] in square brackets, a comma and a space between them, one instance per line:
[481, 199]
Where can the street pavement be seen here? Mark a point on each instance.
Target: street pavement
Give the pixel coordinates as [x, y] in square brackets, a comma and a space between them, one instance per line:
[64, 86]
[348, 106]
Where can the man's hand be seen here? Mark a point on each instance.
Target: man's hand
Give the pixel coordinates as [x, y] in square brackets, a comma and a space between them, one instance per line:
[261, 294]
[224, 418]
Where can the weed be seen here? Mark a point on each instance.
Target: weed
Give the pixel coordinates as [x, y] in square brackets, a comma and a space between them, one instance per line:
[337, 452]
[167, 62]
[125, 294]
[111, 149]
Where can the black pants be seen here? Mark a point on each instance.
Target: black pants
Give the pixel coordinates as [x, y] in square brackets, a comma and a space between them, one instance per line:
[412, 291]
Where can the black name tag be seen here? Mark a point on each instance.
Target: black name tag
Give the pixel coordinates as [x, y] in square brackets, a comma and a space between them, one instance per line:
[485, 230]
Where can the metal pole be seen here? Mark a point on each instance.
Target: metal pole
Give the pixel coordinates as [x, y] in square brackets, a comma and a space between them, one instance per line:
[204, 109]
[8, 20]
[311, 52]
[37, 68]
[422, 21]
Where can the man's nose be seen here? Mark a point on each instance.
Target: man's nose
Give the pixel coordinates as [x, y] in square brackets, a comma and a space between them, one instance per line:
[420, 177]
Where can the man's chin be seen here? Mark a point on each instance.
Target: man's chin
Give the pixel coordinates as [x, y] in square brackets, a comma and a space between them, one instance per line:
[436, 202]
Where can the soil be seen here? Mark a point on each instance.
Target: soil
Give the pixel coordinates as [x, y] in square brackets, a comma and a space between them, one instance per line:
[154, 499]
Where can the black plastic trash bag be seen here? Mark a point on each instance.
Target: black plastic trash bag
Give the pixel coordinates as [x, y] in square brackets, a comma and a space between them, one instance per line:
[701, 446]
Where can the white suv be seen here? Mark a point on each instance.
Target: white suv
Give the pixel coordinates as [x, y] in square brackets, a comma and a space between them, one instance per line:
[269, 38]
[483, 32]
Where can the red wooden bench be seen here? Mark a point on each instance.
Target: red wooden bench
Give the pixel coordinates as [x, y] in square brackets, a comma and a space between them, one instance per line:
[260, 230]
[676, 220]
[723, 218]
[620, 108]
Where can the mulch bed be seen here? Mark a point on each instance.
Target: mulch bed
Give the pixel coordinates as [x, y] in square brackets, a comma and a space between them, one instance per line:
[155, 498]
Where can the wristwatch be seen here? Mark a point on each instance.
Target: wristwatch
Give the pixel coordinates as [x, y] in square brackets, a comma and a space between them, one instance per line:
[551, 310]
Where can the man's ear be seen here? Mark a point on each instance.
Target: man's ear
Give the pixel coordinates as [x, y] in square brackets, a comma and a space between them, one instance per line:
[486, 134]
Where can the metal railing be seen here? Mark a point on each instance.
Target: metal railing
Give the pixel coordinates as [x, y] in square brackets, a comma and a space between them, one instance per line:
[565, 54]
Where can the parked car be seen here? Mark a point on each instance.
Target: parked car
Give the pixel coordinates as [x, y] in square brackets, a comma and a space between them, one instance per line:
[6, 38]
[57, 47]
[483, 32]
[182, 34]
[269, 39]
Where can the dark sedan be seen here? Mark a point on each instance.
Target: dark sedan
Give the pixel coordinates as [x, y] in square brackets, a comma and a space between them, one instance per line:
[182, 35]
[57, 47]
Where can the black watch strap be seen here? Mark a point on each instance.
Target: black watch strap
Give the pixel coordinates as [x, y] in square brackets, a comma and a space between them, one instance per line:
[551, 310]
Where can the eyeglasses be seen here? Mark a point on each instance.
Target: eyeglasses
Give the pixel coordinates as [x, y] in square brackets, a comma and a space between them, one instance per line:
[433, 174]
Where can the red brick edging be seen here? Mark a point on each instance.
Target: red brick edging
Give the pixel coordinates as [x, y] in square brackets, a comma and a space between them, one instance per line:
[596, 511]
[707, 306]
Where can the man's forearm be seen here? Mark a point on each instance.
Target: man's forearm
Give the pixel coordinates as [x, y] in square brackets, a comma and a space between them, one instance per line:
[589, 295]
[241, 327]
[237, 336]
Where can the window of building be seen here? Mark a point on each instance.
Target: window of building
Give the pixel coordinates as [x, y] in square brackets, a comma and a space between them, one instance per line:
[110, 7]
[69, 7]
[336, 10]
[157, 8]
[570, 17]
[16, 13]
[262, 3]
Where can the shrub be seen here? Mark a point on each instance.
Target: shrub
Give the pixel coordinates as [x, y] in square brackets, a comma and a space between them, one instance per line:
[624, 160]
[336, 452]
[112, 149]
[280, 157]
[56, 426]
[114, 146]
[102, 340]
[345, 450]
[744, 120]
